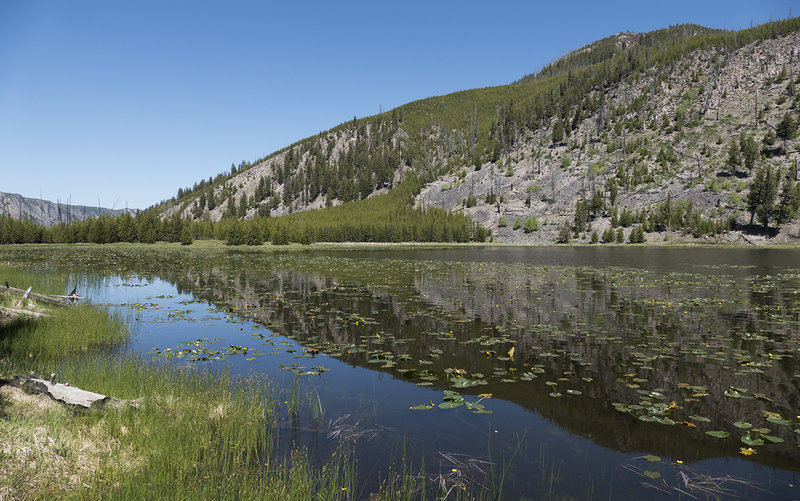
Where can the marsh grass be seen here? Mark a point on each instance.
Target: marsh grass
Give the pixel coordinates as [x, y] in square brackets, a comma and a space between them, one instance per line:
[64, 331]
[191, 434]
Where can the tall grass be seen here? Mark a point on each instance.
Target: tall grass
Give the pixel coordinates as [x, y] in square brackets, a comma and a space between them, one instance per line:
[188, 435]
[64, 331]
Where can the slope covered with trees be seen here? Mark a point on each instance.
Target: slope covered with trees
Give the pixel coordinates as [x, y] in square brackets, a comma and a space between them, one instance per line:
[616, 127]
[684, 130]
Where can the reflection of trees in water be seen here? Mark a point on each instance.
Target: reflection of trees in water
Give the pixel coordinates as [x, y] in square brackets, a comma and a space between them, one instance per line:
[574, 322]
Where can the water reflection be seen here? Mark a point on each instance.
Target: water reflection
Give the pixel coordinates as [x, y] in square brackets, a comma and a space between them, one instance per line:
[593, 357]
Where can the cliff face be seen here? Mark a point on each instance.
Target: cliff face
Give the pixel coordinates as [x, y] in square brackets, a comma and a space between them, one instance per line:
[48, 213]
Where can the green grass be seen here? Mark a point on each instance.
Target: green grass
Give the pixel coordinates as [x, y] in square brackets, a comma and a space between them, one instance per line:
[64, 331]
[194, 435]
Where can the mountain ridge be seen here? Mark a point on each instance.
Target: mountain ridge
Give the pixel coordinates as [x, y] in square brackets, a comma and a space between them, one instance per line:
[47, 213]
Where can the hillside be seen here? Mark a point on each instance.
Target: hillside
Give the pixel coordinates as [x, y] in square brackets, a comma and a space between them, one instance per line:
[46, 213]
[663, 132]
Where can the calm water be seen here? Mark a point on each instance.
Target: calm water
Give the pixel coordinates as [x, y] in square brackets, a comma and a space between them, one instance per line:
[566, 365]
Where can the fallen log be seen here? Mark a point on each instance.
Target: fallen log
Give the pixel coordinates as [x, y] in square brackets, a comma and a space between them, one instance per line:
[33, 295]
[70, 395]
[17, 311]
[65, 393]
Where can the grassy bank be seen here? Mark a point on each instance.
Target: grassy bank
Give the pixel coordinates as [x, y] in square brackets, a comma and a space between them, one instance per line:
[192, 435]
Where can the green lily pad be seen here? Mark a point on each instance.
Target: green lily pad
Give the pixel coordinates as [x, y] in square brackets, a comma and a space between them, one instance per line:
[450, 405]
[773, 439]
[700, 419]
[778, 420]
[652, 474]
[743, 425]
[652, 459]
[719, 434]
[421, 407]
[747, 439]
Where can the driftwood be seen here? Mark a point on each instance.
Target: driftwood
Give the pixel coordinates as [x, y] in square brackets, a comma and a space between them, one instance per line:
[33, 295]
[29, 313]
[69, 395]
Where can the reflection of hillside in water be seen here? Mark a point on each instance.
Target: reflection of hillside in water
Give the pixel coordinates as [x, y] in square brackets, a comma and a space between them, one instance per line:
[611, 334]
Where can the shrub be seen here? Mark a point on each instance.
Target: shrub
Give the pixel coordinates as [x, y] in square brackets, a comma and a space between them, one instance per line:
[531, 224]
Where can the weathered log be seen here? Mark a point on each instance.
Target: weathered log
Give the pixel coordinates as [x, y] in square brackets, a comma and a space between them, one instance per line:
[29, 313]
[69, 395]
[33, 295]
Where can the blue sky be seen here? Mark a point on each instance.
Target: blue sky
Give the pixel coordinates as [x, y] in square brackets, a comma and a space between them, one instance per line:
[126, 101]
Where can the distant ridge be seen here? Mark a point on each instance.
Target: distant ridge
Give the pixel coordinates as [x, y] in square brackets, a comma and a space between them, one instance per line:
[47, 213]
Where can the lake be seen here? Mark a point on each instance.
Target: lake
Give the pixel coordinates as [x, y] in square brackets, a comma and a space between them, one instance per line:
[567, 372]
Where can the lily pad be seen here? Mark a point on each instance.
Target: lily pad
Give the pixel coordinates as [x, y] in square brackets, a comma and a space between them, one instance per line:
[652, 474]
[743, 425]
[778, 420]
[652, 459]
[719, 434]
[751, 441]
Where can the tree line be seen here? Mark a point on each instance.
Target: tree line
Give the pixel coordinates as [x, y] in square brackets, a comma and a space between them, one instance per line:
[390, 217]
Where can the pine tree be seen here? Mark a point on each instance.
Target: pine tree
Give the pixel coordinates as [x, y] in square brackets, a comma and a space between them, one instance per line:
[749, 152]
[558, 132]
[734, 158]
[790, 201]
[761, 197]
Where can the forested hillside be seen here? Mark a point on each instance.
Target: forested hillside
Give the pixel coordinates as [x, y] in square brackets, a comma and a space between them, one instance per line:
[681, 133]
[662, 131]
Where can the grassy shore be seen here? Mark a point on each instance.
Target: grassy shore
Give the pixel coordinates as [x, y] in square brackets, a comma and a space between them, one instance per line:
[175, 433]
[191, 435]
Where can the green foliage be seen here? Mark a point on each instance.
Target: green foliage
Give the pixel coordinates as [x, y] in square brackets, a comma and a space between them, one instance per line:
[762, 194]
[502, 222]
[531, 224]
[787, 127]
[518, 223]
[566, 161]
[637, 235]
[386, 218]
[790, 201]
[749, 152]
[64, 331]
[563, 234]
[681, 215]
[734, 157]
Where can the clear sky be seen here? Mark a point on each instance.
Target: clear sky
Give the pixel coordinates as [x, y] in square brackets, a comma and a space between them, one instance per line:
[126, 101]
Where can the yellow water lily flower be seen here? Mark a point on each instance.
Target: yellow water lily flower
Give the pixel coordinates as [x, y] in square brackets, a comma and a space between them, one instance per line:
[747, 451]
